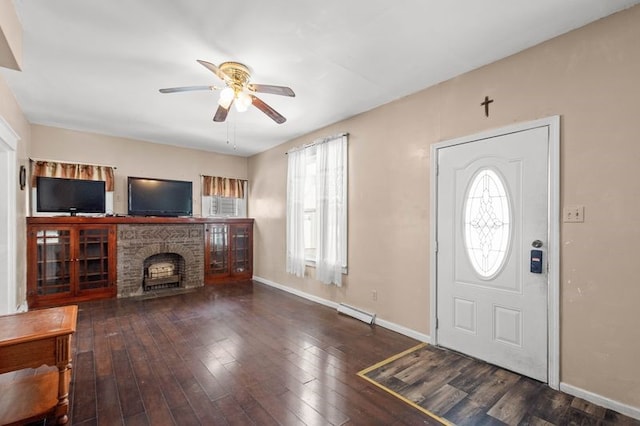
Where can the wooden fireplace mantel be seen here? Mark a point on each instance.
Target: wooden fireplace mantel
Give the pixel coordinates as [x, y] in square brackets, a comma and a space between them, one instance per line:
[94, 220]
[80, 258]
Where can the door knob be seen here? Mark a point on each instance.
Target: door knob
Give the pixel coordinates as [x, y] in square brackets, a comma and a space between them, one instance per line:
[536, 244]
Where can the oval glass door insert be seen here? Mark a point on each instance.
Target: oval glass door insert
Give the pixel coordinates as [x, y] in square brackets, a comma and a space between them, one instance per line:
[487, 223]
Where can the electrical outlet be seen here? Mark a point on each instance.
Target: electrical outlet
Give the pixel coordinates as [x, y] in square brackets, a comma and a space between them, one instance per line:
[573, 214]
[374, 295]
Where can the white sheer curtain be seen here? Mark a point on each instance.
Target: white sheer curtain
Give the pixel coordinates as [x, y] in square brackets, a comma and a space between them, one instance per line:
[331, 187]
[295, 212]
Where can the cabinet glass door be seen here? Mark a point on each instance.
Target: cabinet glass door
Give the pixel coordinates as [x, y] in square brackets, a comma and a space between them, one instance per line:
[218, 262]
[240, 247]
[53, 261]
[93, 258]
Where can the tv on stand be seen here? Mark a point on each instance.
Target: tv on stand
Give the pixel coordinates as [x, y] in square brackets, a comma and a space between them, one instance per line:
[159, 197]
[63, 195]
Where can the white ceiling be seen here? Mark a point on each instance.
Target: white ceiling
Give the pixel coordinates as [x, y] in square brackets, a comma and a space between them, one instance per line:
[97, 65]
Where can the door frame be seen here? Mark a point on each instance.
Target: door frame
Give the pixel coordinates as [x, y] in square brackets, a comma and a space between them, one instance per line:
[553, 247]
[8, 277]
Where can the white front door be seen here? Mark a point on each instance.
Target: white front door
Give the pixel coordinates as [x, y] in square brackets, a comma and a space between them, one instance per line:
[492, 236]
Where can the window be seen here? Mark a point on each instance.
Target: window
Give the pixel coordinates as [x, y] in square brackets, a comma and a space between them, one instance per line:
[317, 209]
[487, 228]
[220, 201]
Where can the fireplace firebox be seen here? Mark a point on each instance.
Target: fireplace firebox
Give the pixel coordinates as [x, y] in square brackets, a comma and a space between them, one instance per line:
[163, 270]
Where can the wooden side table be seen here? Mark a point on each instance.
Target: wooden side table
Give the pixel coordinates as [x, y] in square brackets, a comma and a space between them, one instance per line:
[29, 340]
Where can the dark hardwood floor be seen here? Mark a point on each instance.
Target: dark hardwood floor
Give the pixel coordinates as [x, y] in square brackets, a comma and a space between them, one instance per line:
[247, 354]
[237, 354]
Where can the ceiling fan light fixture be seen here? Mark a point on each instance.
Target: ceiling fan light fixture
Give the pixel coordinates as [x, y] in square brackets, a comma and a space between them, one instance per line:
[243, 101]
[226, 96]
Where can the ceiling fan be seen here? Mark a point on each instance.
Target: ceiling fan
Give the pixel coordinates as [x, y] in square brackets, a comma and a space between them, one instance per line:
[239, 90]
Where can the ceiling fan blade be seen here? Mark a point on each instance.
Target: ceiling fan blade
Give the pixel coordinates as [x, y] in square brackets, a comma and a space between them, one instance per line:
[221, 113]
[272, 113]
[186, 89]
[274, 90]
[214, 69]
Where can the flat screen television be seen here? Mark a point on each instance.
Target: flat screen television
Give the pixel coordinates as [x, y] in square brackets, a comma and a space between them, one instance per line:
[62, 195]
[159, 197]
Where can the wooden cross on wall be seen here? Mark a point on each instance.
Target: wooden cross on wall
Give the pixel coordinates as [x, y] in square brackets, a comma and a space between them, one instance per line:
[486, 103]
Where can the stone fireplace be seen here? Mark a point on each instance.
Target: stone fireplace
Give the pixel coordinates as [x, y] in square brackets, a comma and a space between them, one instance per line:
[140, 245]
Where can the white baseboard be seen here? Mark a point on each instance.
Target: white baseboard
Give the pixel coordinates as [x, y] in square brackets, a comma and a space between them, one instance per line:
[403, 330]
[299, 293]
[378, 321]
[600, 400]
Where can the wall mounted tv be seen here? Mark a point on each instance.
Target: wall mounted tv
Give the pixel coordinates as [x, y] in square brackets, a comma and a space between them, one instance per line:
[159, 197]
[61, 195]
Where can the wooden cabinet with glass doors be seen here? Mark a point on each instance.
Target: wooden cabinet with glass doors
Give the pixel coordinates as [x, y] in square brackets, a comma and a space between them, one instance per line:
[70, 263]
[228, 250]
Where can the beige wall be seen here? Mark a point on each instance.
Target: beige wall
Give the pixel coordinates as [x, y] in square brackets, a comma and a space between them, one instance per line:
[591, 78]
[134, 158]
[388, 169]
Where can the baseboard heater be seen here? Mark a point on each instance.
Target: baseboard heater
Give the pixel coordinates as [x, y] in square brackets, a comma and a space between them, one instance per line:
[356, 313]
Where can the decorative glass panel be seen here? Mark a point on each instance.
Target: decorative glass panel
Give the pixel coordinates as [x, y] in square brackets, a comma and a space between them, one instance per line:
[54, 261]
[487, 224]
[219, 253]
[240, 248]
[93, 258]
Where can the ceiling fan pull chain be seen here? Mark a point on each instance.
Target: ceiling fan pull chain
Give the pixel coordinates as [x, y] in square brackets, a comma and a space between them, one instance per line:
[235, 121]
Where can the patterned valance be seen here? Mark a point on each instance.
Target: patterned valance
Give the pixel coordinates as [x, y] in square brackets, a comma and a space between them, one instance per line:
[222, 187]
[72, 171]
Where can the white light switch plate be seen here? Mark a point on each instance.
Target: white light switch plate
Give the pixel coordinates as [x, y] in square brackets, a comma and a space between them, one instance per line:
[573, 214]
